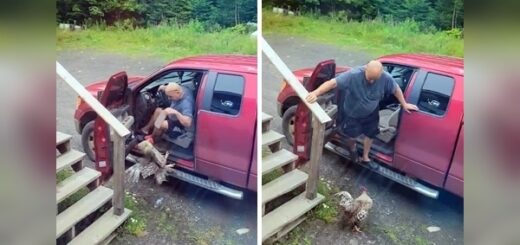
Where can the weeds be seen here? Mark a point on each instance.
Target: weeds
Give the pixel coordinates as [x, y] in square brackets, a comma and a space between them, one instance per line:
[377, 37]
[136, 224]
[163, 41]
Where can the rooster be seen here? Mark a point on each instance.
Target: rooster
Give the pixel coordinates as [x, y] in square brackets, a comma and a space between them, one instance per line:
[355, 211]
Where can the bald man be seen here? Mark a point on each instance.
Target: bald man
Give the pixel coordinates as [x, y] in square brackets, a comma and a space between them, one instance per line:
[364, 87]
[179, 114]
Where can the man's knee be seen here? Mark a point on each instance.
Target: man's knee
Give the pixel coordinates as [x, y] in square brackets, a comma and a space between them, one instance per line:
[164, 125]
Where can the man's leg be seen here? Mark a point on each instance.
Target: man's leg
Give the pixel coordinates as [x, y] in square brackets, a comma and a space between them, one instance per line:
[367, 143]
[150, 123]
[159, 131]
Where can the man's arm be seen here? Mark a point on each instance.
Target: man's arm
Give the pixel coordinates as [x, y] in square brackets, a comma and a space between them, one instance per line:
[400, 97]
[323, 88]
[184, 120]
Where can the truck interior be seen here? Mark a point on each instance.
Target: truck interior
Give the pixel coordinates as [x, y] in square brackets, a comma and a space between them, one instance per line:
[149, 98]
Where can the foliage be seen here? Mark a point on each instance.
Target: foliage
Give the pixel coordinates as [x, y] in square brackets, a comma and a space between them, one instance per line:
[442, 14]
[328, 210]
[136, 223]
[378, 36]
[163, 41]
[211, 13]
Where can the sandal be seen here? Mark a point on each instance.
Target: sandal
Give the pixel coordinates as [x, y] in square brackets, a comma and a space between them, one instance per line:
[371, 164]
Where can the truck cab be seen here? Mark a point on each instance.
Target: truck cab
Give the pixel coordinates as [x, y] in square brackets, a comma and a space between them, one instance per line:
[422, 150]
[222, 156]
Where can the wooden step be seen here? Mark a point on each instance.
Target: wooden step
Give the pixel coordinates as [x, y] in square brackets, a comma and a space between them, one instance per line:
[79, 210]
[266, 117]
[277, 160]
[283, 184]
[68, 158]
[266, 122]
[271, 137]
[62, 138]
[75, 182]
[98, 231]
[275, 220]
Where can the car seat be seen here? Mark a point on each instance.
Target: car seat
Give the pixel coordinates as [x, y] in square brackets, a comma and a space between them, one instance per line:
[388, 120]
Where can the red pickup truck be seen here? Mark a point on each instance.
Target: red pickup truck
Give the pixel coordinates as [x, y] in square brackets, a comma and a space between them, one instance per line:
[422, 150]
[223, 155]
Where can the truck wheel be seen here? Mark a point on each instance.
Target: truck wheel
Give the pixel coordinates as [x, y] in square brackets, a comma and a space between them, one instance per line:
[288, 124]
[87, 140]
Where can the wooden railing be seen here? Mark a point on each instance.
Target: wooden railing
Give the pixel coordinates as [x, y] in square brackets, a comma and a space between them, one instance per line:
[319, 117]
[118, 134]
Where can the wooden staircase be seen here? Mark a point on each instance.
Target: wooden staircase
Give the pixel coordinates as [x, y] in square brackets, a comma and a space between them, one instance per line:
[285, 217]
[68, 228]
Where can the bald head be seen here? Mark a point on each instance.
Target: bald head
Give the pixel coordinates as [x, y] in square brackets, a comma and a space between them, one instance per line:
[173, 91]
[373, 70]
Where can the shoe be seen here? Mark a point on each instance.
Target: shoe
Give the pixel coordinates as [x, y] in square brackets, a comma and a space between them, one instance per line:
[371, 164]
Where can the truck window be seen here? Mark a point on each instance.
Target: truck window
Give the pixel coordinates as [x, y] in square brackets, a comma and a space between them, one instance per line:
[227, 94]
[401, 74]
[435, 94]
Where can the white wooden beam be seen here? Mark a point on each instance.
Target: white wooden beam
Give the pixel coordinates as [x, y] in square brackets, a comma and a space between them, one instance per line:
[120, 129]
[291, 79]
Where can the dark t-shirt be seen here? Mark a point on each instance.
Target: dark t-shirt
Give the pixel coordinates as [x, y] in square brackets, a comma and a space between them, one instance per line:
[362, 97]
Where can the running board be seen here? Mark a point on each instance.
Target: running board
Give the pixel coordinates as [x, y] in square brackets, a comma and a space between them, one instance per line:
[201, 182]
[389, 173]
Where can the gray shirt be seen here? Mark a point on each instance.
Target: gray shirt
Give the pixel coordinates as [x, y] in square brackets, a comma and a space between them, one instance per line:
[362, 97]
[184, 106]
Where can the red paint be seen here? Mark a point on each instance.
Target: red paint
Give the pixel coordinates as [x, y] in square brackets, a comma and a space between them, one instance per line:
[427, 147]
[224, 144]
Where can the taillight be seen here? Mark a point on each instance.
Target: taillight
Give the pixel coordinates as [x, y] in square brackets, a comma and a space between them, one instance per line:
[284, 83]
[78, 102]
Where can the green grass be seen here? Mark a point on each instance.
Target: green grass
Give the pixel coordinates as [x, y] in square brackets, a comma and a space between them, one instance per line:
[165, 42]
[67, 202]
[375, 37]
[136, 223]
[328, 209]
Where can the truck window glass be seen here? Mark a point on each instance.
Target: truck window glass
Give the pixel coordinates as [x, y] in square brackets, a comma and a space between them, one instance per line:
[227, 94]
[435, 94]
[401, 74]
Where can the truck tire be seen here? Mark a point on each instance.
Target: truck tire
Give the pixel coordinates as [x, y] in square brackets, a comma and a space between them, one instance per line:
[288, 124]
[87, 140]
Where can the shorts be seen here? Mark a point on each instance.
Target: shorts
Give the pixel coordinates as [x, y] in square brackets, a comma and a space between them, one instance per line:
[174, 128]
[368, 126]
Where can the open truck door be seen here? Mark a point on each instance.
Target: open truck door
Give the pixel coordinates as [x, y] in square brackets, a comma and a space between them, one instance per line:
[113, 97]
[323, 72]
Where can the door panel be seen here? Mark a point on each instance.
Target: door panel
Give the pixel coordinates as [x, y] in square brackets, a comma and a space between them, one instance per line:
[112, 97]
[426, 139]
[455, 180]
[225, 129]
[323, 72]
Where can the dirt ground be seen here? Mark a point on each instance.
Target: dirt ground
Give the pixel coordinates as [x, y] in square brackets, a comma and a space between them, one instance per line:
[399, 215]
[187, 214]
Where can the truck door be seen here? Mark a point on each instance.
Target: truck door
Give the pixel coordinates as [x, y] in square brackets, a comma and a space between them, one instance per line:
[426, 138]
[226, 126]
[112, 97]
[455, 179]
[323, 72]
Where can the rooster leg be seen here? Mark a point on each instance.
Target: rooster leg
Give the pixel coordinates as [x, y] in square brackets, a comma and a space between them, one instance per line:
[356, 229]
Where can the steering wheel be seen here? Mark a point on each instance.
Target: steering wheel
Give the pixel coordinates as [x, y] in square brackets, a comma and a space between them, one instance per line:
[161, 100]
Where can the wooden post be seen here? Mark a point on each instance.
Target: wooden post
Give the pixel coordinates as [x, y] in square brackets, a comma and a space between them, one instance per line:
[318, 134]
[118, 162]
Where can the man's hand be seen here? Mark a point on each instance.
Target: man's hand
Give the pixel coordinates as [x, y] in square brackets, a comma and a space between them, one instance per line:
[162, 87]
[171, 111]
[312, 97]
[410, 107]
